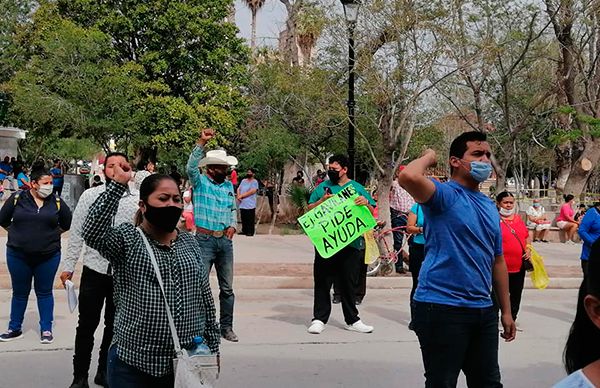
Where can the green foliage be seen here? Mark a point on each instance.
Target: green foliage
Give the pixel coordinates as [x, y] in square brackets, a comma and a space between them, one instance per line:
[299, 196]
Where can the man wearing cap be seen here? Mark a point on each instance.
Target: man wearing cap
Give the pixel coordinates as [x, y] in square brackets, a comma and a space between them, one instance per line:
[215, 217]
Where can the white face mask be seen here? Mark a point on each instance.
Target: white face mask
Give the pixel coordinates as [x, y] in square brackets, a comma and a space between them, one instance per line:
[506, 213]
[45, 190]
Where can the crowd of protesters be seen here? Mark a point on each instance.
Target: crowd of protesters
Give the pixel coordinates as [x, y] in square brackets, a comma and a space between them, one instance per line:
[467, 256]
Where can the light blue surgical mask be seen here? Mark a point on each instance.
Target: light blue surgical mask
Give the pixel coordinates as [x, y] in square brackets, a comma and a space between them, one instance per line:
[480, 171]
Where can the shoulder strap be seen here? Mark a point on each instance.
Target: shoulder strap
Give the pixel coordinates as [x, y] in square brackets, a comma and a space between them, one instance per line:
[162, 290]
[514, 233]
[57, 198]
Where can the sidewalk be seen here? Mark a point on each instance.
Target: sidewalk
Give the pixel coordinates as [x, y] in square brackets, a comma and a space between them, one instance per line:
[274, 261]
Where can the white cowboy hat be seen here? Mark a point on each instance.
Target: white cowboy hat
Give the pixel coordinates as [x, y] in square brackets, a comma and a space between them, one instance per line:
[218, 157]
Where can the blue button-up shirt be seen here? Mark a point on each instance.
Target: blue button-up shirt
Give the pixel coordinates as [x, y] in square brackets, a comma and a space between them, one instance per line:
[214, 203]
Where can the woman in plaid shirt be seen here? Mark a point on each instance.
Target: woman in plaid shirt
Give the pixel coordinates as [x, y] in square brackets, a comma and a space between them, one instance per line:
[142, 351]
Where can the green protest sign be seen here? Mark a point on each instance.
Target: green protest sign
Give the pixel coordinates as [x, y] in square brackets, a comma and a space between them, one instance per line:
[337, 222]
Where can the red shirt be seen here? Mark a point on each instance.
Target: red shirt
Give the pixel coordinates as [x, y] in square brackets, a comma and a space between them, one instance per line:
[513, 251]
[234, 180]
[566, 212]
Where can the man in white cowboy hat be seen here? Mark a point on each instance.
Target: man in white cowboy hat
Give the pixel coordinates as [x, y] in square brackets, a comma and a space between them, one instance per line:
[215, 217]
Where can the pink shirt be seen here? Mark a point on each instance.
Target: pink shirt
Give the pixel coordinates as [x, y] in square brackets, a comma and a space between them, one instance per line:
[566, 213]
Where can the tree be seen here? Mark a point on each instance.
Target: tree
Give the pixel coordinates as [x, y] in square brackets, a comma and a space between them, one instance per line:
[188, 52]
[255, 6]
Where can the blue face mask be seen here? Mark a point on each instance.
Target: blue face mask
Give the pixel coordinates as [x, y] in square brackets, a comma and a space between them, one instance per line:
[480, 171]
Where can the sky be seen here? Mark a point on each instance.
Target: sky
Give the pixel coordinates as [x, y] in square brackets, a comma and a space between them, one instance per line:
[270, 21]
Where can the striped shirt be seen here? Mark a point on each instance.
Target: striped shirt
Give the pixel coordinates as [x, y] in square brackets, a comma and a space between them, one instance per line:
[141, 328]
[214, 203]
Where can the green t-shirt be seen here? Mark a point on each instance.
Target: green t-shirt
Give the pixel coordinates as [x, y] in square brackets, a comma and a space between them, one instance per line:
[319, 192]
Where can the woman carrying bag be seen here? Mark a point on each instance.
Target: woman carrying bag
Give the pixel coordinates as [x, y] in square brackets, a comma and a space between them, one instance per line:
[159, 283]
[515, 241]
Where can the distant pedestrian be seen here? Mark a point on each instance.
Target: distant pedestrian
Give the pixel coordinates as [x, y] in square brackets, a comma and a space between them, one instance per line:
[589, 231]
[400, 204]
[22, 178]
[537, 220]
[581, 210]
[58, 177]
[188, 211]
[299, 179]
[35, 220]
[566, 221]
[343, 267]
[145, 168]
[415, 226]
[515, 245]
[176, 175]
[454, 315]
[142, 350]
[215, 215]
[246, 196]
[582, 351]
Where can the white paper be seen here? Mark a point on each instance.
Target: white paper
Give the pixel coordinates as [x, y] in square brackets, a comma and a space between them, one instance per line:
[71, 295]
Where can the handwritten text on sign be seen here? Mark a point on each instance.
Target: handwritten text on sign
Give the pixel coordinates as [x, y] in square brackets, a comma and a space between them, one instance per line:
[337, 222]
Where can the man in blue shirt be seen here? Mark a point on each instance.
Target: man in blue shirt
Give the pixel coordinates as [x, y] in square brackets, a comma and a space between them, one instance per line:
[246, 196]
[344, 266]
[454, 314]
[215, 216]
[589, 231]
[58, 177]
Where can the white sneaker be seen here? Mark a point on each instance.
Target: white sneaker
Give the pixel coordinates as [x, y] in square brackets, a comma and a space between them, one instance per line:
[316, 327]
[360, 327]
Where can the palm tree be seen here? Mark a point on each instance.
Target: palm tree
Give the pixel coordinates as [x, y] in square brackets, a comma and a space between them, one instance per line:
[311, 21]
[255, 6]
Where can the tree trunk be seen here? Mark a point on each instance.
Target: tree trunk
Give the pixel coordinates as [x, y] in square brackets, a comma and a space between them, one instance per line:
[578, 178]
[253, 36]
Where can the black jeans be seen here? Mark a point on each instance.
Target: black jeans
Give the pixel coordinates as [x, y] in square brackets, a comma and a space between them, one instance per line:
[398, 219]
[361, 285]
[57, 190]
[342, 268]
[584, 268]
[248, 216]
[95, 291]
[516, 282]
[458, 338]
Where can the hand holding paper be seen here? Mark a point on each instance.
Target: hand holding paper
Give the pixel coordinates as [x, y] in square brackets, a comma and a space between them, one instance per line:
[71, 295]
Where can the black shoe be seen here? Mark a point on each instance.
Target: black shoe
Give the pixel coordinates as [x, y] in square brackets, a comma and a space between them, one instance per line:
[229, 335]
[336, 299]
[100, 378]
[358, 301]
[80, 382]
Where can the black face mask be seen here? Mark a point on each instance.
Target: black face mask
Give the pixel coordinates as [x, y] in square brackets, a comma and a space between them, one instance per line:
[249, 176]
[163, 218]
[219, 176]
[334, 176]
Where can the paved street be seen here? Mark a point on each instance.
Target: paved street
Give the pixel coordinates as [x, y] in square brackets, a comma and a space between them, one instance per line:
[275, 350]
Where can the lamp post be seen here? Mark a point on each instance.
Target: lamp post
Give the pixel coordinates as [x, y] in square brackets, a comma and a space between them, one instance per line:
[351, 12]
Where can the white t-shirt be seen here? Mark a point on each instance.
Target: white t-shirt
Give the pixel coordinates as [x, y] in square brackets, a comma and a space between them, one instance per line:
[534, 212]
[188, 207]
[575, 380]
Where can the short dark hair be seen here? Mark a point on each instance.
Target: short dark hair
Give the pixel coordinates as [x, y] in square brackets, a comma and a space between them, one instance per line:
[113, 154]
[459, 145]
[252, 169]
[38, 174]
[503, 195]
[340, 159]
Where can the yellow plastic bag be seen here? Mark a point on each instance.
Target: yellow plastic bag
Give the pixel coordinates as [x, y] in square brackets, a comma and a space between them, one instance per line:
[371, 249]
[539, 276]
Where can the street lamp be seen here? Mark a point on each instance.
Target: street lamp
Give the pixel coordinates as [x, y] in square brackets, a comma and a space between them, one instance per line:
[351, 12]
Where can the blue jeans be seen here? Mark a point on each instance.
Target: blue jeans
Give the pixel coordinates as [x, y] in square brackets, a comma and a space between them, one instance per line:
[122, 375]
[458, 338]
[219, 252]
[22, 269]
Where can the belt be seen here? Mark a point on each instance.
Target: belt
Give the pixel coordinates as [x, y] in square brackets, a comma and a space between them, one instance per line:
[214, 233]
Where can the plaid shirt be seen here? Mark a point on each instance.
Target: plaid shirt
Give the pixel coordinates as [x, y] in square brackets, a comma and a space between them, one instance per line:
[141, 328]
[214, 203]
[128, 205]
[400, 200]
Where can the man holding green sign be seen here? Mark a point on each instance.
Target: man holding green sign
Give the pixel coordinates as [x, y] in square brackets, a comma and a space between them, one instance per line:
[340, 212]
